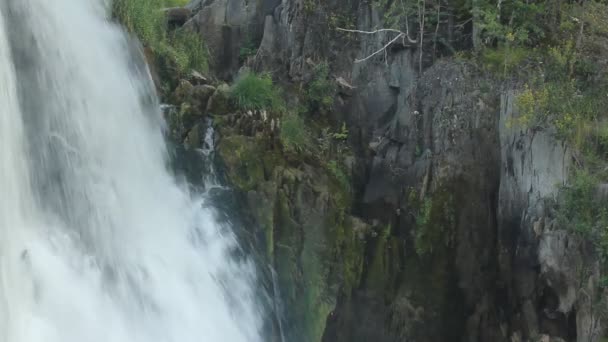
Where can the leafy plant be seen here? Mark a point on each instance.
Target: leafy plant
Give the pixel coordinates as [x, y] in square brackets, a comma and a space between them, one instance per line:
[255, 92]
[320, 89]
[579, 209]
[189, 50]
[246, 51]
[294, 135]
[342, 134]
[178, 51]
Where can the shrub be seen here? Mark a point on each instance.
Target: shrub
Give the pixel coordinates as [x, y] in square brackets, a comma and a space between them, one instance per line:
[581, 210]
[342, 135]
[294, 136]
[189, 50]
[180, 50]
[505, 59]
[247, 50]
[320, 89]
[255, 92]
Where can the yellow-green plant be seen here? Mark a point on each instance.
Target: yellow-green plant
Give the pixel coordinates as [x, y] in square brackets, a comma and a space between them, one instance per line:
[252, 91]
[179, 50]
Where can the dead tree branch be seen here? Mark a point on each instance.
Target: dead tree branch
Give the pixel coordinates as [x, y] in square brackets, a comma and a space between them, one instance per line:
[400, 35]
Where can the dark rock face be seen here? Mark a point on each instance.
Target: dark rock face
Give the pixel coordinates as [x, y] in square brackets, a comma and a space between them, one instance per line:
[177, 16]
[226, 26]
[447, 232]
[446, 150]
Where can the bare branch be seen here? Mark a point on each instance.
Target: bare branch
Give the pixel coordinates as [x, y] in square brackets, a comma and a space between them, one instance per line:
[410, 40]
[381, 49]
[401, 34]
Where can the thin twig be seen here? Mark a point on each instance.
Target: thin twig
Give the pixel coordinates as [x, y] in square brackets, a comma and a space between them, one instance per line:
[381, 49]
[412, 41]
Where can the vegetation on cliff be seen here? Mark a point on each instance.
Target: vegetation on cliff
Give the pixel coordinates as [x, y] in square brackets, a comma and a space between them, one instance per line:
[287, 150]
[177, 51]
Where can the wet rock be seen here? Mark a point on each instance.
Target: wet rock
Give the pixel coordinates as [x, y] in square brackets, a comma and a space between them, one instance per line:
[177, 16]
[219, 102]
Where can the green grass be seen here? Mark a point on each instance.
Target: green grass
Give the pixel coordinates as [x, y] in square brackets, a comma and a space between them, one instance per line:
[177, 51]
[295, 136]
[256, 92]
[142, 17]
[176, 3]
[188, 49]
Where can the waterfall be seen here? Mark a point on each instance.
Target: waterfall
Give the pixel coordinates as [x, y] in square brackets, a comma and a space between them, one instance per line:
[98, 241]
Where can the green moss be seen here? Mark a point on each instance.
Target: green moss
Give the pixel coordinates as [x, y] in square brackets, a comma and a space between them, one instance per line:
[243, 161]
[219, 103]
[435, 222]
[384, 264]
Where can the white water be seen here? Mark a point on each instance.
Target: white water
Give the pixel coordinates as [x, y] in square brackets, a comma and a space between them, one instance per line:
[97, 241]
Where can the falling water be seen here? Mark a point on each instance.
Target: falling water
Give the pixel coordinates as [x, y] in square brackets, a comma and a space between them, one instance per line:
[98, 242]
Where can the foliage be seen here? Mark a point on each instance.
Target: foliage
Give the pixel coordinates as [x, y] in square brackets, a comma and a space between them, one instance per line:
[188, 50]
[567, 107]
[583, 211]
[256, 92]
[505, 59]
[569, 90]
[310, 6]
[294, 135]
[176, 3]
[320, 89]
[142, 17]
[246, 51]
[342, 134]
[512, 22]
[180, 50]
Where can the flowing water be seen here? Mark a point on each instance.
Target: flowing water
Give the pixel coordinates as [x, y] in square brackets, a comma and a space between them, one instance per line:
[98, 242]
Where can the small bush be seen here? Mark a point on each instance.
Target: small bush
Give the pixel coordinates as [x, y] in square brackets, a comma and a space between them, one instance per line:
[342, 135]
[255, 92]
[578, 210]
[320, 89]
[178, 51]
[505, 60]
[294, 136]
[189, 50]
[247, 50]
[582, 211]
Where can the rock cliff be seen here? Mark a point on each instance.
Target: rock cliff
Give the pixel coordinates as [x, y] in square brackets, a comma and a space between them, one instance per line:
[437, 222]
